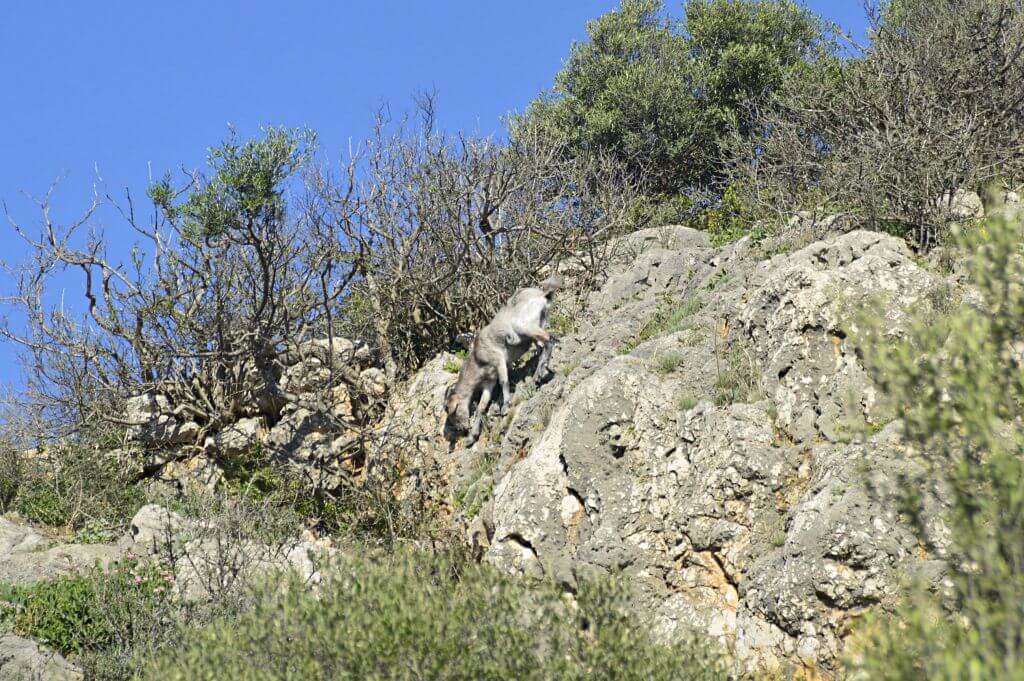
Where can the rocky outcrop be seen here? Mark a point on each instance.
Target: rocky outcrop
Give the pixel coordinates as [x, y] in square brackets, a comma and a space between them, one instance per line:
[27, 556]
[309, 415]
[155, 422]
[709, 433]
[23, 659]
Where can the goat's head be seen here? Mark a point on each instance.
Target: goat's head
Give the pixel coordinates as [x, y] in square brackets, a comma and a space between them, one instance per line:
[456, 416]
[552, 284]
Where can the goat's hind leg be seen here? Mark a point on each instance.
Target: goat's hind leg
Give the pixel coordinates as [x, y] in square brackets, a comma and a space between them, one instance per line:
[481, 411]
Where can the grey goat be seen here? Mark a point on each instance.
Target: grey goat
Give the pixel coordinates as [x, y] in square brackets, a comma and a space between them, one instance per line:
[499, 345]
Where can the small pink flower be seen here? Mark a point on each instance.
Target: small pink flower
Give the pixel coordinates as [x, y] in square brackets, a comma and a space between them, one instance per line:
[138, 579]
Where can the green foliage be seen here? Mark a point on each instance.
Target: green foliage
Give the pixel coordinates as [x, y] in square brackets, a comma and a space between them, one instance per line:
[410, 617]
[476, 489]
[959, 384]
[727, 220]
[737, 377]
[367, 510]
[668, 361]
[686, 402]
[453, 366]
[669, 318]
[661, 94]
[562, 324]
[87, 613]
[246, 188]
[662, 209]
[75, 485]
[890, 135]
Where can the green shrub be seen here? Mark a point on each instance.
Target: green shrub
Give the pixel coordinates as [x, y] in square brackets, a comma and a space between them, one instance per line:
[78, 485]
[92, 613]
[728, 220]
[669, 361]
[686, 402]
[958, 383]
[660, 210]
[661, 94]
[410, 617]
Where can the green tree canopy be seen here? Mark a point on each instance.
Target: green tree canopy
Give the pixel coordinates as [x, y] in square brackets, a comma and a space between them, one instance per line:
[661, 94]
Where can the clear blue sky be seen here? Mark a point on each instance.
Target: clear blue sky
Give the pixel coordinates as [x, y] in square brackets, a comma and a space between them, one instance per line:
[125, 86]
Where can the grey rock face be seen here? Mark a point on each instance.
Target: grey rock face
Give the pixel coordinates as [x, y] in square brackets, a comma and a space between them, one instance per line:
[237, 438]
[151, 525]
[706, 434]
[22, 659]
[154, 422]
[27, 557]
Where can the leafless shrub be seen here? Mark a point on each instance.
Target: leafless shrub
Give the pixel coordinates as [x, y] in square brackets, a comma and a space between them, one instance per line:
[418, 240]
[223, 279]
[441, 229]
[933, 106]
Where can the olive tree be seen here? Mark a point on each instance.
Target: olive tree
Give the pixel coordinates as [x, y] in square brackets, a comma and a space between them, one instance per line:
[660, 94]
[223, 276]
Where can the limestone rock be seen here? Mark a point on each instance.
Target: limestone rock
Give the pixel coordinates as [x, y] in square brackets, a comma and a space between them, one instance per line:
[196, 474]
[151, 525]
[237, 438]
[26, 556]
[727, 485]
[23, 659]
[963, 205]
[154, 422]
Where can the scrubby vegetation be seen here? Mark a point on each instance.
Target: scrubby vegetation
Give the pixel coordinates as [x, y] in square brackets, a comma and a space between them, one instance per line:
[931, 107]
[404, 617]
[82, 487]
[108, 618]
[957, 384]
[730, 119]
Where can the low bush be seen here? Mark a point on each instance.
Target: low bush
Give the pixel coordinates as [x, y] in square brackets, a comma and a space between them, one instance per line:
[77, 485]
[411, 617]
[737, 378]
[105, 619]
[669, 361]
[366, 509]
[957, 382]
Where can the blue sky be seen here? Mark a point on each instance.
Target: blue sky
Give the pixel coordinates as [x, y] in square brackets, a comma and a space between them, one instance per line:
[127, 86]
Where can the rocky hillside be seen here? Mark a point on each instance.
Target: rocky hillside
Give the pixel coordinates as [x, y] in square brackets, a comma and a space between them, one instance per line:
[709, 432]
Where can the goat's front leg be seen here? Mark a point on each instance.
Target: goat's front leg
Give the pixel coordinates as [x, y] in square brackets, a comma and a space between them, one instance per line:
[481, 411]
[543, 359]
[506, 396]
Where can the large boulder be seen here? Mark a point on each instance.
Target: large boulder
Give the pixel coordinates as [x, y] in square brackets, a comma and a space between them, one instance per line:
[27, 556]
[706, 432]
[237, 438]
[23, 659]
[154, 422]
